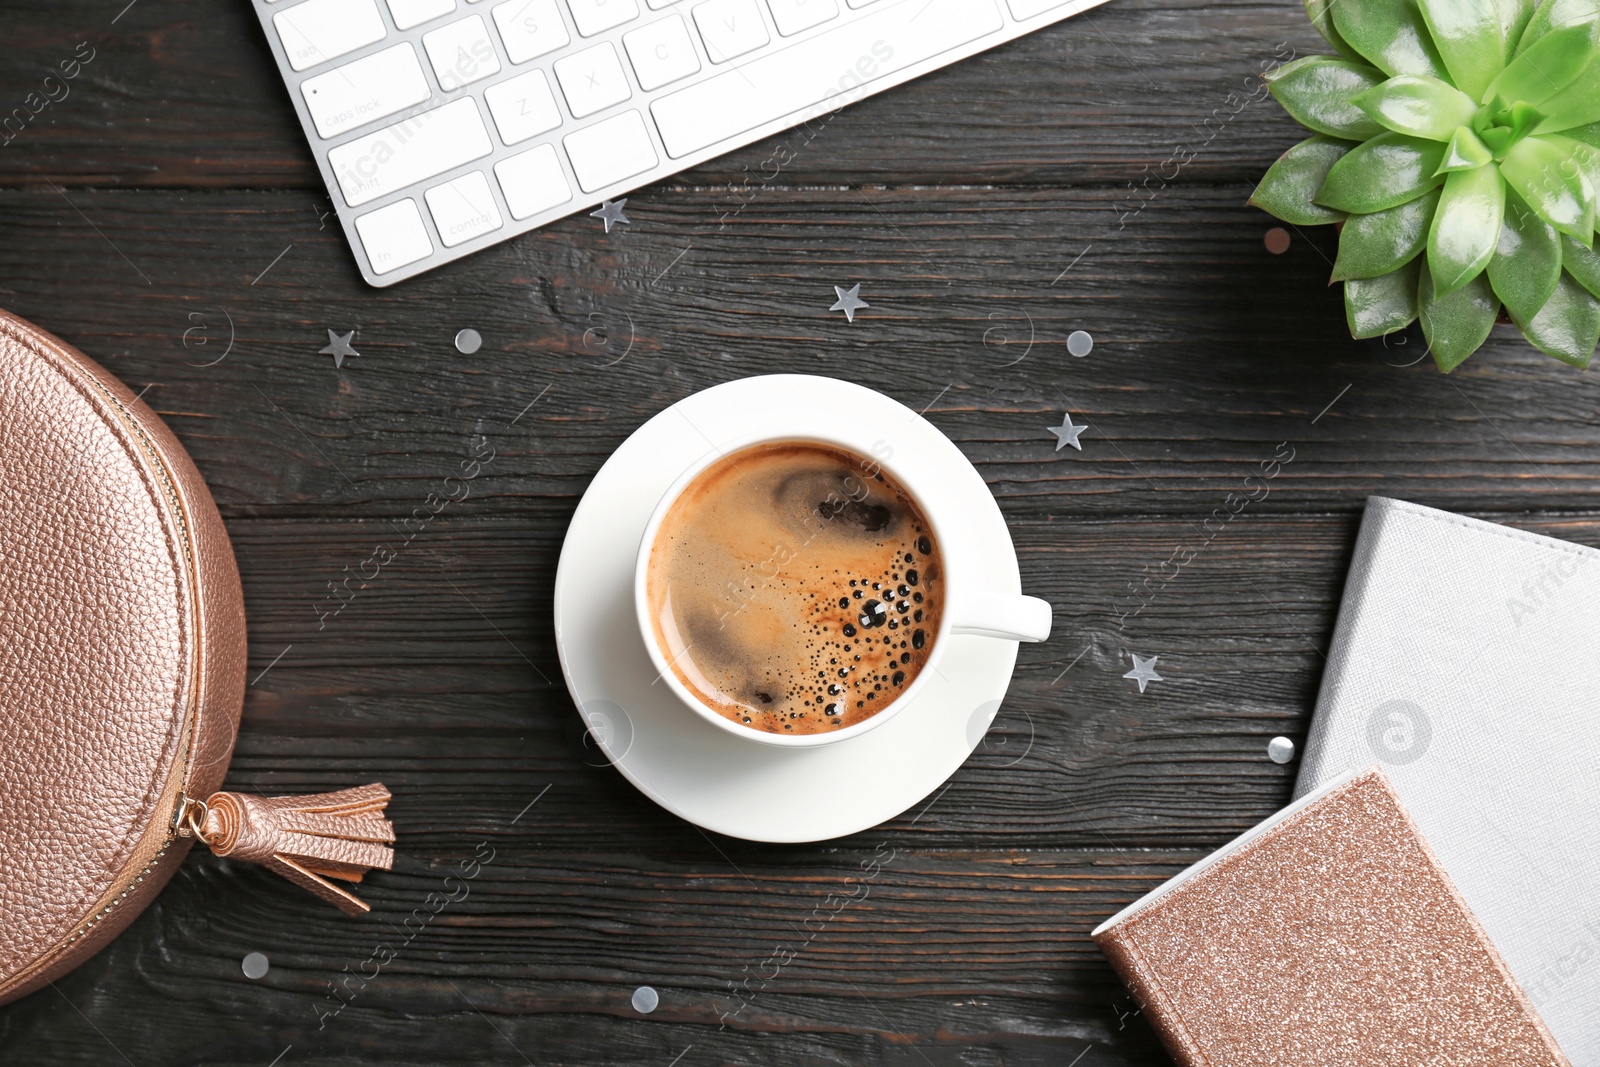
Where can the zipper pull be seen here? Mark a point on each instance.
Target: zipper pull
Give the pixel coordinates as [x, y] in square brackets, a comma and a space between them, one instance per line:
[307, 839]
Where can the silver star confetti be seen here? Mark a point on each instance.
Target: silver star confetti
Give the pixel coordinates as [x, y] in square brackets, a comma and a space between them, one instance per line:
[338, 348]
[1144, 671]
[849, 301]
[611, 212]
[1067, 433]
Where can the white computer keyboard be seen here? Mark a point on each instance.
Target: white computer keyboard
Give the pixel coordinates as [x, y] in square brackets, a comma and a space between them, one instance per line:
[445, 126]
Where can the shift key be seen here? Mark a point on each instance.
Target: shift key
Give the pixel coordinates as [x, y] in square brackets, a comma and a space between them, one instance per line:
[409, 151]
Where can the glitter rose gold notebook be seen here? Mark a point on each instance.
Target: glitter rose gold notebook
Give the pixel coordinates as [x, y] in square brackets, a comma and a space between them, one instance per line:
[1329, 935]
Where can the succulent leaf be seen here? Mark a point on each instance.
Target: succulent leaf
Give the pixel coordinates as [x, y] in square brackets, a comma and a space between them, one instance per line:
[1318, 92]
[1466, 228]
[1582, 263]
[1514, 17]
[1377, 306]
[1527, 263]
[1389, 34]
[1390, 169]
[1320, 12]
[1419, 106]
[1549, 65]
[1471, 41]
[1466, 151]
[1553, 13]
[1384, 241]
[1500, 125]
[1576, 105]
[1468, 130]
[1287, 189]
[1589, 135]
[1567, 326]
[1552, 185]
[1457, 323]
[1584, 156]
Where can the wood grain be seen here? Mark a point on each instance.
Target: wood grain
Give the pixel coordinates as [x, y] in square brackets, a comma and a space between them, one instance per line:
[438, 678]
[852, 956]
[1209, 352]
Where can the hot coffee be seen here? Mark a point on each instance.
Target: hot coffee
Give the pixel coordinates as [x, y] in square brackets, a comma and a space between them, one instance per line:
[795, 588]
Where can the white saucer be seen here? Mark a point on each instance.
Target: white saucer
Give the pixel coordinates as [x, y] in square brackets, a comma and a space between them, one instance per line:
[688, 766]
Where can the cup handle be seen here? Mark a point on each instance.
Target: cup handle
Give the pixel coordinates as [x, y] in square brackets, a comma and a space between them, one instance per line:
[1009, 616]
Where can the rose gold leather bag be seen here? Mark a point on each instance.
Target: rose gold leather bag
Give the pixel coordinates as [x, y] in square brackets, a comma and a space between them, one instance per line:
[122, 662]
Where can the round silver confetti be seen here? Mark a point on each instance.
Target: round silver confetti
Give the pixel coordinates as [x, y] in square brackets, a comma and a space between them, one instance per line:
[468, 341]
[254, 966]
[645, 1000]
[1280, 750]
[1079, 343]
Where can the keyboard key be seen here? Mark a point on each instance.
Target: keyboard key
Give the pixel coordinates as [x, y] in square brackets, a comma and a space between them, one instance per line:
[409, 13]
[610, 150]
[806, 78]
[730, 28]
[461, 52]
[533, 182]
[792, 16]
[319, 30]
[1026, 9]
[410, 151]
[523, 107]
[365, 90]
[595, 16]
[394, 236]
[463, 209]
[592, 79]
[661, 52]
[530, 28]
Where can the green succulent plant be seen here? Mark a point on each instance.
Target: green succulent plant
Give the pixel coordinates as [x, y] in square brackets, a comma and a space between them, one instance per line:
[1457, 142]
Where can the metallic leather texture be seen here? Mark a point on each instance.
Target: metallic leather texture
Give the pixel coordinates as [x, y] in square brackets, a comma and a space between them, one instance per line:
[122, 654]
[307, 839]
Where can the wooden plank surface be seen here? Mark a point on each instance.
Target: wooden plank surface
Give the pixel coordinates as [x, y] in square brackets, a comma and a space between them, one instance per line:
[1209, 351]
[931, 955]
[166, 219]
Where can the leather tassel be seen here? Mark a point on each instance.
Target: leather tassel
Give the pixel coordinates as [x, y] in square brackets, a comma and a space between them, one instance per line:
[307, 839]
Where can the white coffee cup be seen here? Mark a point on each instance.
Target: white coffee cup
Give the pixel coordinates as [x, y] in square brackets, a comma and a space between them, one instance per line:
[968, 609]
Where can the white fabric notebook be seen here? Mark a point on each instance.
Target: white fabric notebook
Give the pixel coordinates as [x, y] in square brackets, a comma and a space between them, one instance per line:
[1467, 661]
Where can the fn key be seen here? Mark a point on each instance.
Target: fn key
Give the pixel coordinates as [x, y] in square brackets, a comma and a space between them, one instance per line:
[394, 236]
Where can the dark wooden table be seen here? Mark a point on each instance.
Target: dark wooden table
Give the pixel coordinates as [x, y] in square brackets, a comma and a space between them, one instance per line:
[166, 218]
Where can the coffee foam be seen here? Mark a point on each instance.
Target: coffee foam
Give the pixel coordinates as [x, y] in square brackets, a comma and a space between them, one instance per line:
[795, 588]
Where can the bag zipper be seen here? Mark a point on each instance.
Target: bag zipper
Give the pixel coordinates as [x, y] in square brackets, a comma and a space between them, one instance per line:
[307, 839]
[175, 503]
